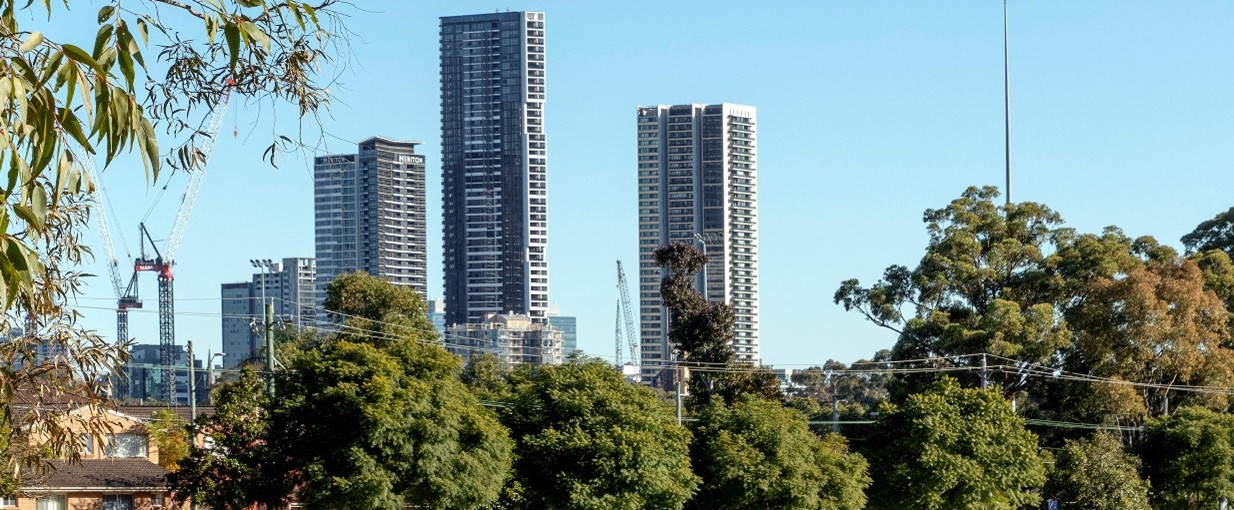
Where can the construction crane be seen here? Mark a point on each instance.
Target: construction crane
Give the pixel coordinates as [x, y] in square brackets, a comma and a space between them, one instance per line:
[630, 368]
[165, 259]
[126, 297]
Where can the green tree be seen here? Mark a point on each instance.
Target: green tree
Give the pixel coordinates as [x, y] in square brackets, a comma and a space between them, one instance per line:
[1214, 234]
[1189, 458]
[372, 310]
[1096, 473]
[702, 333]
[68, 96]
[983, 285]
[488, 377]
[364, 426]
[233, 467]
[588, 439]
[954, 448]
[759, 454]
[171, 435]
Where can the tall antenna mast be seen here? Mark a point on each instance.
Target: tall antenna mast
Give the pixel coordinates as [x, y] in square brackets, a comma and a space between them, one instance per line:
[1006, 106]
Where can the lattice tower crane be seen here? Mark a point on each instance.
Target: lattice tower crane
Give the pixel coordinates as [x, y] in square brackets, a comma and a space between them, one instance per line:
[163, 260]
[631, 337]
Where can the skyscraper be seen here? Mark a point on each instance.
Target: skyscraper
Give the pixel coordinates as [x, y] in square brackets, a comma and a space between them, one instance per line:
[289, 284]
[697, 183]
[494, 166]
[370, 214]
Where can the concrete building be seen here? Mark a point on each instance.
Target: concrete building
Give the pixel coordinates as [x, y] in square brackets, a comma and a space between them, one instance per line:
[494, 166]
[370, 214]
[290, 285]
[697, 183]
[513, 338]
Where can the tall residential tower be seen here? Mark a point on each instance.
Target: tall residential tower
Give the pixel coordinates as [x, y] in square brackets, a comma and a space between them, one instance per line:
[494, 166]
[370, 214]
[697, 183]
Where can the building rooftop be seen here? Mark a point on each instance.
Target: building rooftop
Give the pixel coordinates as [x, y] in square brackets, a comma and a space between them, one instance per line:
[100, 475]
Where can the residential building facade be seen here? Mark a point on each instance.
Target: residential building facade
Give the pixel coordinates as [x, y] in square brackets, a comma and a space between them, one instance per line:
[370, 214]
[494, 166]
[512, 338]
[290, 285]
[697, 183]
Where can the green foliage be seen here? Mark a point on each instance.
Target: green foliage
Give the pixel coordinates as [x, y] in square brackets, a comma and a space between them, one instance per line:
[983, 285]
[1096, 473]
[487, 376]
[1214, 234]
[1189, 458]
[171, 435]
[374, 311]
[69, 98]
[235, 466]
[954, 448]
[370, 427]
[759, 454]
[701, 334]
[588, 439]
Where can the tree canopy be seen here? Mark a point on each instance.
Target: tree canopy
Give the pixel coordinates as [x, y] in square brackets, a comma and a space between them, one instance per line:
[950, 447]
[759, 454]
[1096, 473]
[588, 439]
[1213, 234]
[1189, 458]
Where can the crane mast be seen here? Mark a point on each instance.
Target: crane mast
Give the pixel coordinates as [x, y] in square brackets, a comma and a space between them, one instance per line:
[126, 297]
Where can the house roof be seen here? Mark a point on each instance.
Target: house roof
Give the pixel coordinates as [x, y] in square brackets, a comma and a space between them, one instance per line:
[147, 412]
[99, 475]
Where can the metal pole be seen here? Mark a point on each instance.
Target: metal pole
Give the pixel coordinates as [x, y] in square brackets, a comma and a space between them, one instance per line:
[270, 349]
[984, 381]
[1006, 104]
[679, 377]
[192, 384]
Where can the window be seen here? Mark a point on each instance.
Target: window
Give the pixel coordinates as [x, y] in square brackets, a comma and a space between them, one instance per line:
[52, 503]
[87, 444]
[118, 502]
[158, 499]
[8, 501]
[127, 446]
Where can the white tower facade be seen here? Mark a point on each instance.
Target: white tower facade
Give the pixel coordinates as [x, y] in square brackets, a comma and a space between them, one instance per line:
[698, 183]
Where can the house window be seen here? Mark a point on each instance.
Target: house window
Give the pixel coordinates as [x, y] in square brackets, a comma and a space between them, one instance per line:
[52, 503]
[118, 502]
[87, 444]
[8, 501]
[158, 499]
[127, 446]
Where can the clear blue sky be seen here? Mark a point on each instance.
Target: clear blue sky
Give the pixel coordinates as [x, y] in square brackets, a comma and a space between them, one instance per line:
[869, 113]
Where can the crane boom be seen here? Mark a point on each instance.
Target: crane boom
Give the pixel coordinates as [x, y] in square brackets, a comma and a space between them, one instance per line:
[100, 214]
[627, 314]
[197, 171]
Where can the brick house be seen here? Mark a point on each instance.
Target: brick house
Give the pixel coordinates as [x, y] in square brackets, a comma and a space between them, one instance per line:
[121, 472]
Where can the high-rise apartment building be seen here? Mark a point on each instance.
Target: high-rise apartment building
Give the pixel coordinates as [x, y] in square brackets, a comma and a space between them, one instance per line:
[290, 285]
[494, 166]
[370, 214]
[697, 183]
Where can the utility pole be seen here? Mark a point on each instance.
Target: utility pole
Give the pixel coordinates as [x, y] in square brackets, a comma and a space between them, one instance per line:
[270, 349]
[984, 378]
[680, 376]
[192, 384]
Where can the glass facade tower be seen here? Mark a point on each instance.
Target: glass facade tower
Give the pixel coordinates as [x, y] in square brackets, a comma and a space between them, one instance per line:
[494, 166]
